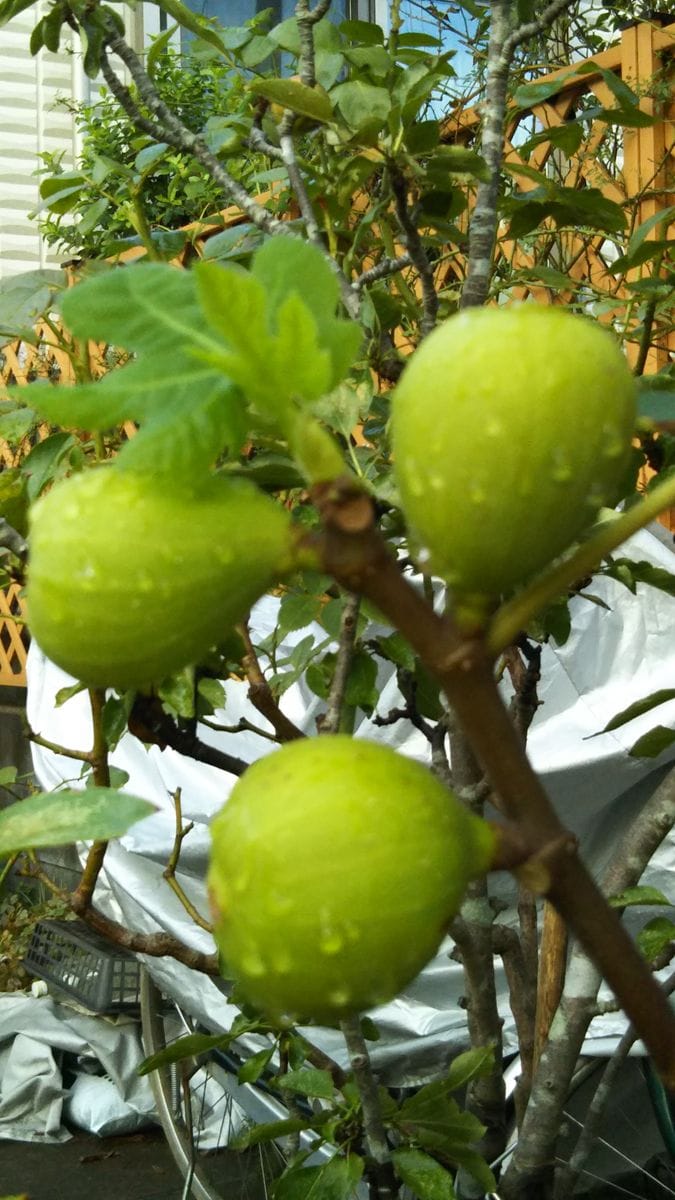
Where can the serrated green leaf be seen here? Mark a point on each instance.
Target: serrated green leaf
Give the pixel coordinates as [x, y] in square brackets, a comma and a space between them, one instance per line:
[335, 1180]
[638, 708]
[25, 298]
[530, 94]
[254, 1066]
[178, 693]
[642, 572]
[656, 936]
[297, 610]
[59, 818]
[191, 1046]
[271, 1131]
[396, 649]
[361, 688]
[651, 744]
[189, 20]
[308, 1081]
[298, 97]
[427, 1179]
[213, 692]
[638, 896]
[288, 264]
[114, 719]
[362, 105]
[44, 461]
[470, 1065]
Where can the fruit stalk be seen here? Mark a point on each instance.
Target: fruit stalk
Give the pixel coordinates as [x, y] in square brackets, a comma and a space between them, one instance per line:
[351, 549]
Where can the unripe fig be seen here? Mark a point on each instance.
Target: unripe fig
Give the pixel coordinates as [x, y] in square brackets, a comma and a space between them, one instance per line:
[336, 865]
[131, 578]
[511, 428]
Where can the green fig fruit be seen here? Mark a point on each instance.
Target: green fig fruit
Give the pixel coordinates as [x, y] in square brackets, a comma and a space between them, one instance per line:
[131, 579]
[511, 428]
[336, 865]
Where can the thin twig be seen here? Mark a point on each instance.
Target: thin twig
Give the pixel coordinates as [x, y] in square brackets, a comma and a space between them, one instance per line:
[166, 127]
[332, 718]
[260, 693]
[385, 267]
[84, 892]
[181, 833]
[415, 248]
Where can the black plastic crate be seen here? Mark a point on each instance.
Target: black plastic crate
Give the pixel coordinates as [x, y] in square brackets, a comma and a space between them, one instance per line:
[71, 956]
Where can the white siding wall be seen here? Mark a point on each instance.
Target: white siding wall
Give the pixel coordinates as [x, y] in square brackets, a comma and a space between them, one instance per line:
[30, 123]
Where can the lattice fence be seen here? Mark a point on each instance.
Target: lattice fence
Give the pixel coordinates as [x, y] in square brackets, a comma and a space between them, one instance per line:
[625, 163]
[13, 639]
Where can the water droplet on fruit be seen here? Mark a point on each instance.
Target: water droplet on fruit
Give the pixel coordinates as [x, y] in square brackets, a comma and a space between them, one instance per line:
[253, 965]
[437, 482]
[145, 585]
[561, 471]
[416, 486]
[613, 446]
[596, 497]
[424, 556]
[282, 962]
[240, 883]
[340, 997]
[477, 495]
[331, 942]
[494, 428]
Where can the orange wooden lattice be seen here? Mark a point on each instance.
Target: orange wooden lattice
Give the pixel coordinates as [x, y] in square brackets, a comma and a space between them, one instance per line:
[13, 638]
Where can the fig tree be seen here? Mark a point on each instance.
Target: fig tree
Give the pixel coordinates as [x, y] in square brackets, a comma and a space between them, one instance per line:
[131, 579]
[336, 865]
[511, 428]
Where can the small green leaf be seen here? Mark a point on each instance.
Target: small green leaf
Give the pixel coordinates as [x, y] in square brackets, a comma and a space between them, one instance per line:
[191, 1046]
[59, 818]
[361, 689]
[308, 1081]
[423, 1175]
[298, 97]
[362, 105]
[7, 775]
[335, 1180]
[470, 1065]
[530, 94]
[270, 1132]
[656, 936]
[213, 692]
[638, 708]
[297, 610]
[651, 744]
[638, 896]
[254, 1066]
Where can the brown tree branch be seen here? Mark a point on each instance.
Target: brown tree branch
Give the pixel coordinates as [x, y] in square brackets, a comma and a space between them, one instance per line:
[351, 550]
[260, 693]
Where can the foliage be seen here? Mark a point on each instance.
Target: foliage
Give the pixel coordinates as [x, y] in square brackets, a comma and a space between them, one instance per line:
[123, 182]
[272, 359]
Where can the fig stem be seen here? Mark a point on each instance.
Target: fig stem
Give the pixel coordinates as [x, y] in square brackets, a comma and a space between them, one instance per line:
[514, 615]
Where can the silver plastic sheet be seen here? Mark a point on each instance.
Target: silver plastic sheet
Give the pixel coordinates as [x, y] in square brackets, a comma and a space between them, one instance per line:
[612, 659]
